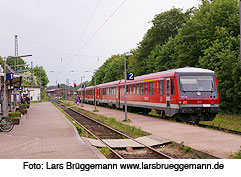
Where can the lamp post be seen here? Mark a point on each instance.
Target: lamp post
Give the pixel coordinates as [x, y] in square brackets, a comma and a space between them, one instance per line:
[73, 84]
[82, 94]
[94, 85]
[126, 55]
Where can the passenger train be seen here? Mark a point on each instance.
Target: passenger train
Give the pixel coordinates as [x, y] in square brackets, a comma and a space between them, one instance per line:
[187, 94]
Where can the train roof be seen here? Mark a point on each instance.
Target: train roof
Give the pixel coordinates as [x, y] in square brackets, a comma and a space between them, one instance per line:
[109, 84]
[157, 75]
[167, 73]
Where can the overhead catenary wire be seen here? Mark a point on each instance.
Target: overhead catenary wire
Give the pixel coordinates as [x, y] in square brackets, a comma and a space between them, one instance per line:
[86, 27]
[101, 26]
[98, 29]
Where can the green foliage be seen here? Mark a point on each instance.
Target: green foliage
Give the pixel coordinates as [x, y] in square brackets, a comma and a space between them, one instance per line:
[236, 155]
[207, 37]
[11, 62]
[105, 151]
[165, 25]
[37, 70]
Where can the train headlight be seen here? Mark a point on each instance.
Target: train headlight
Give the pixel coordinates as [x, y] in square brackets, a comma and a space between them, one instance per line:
[184, 102]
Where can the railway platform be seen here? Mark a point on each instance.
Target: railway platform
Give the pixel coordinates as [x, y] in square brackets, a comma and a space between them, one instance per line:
[213, 142]
[44, 133]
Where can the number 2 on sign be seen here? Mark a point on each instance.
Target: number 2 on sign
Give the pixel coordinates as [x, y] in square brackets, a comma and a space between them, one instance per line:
[131, 76]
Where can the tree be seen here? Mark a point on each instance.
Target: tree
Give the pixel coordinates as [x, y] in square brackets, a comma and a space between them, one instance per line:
[11, 62]
[28, 78]
[165, 25]
[44, 78]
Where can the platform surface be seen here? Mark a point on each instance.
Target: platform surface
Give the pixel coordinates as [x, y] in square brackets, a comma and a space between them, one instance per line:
[44, 133]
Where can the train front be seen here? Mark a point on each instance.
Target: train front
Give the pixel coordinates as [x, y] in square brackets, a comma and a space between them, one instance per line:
[198, 94]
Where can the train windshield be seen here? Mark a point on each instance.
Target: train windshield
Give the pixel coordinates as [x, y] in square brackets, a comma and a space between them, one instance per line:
[197, 83]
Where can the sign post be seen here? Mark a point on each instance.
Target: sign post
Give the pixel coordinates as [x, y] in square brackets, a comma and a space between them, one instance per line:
[126, 55]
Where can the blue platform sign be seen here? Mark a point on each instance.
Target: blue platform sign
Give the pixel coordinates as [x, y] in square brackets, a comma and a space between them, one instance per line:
[9, 76]
[130, 76]
[83, 86]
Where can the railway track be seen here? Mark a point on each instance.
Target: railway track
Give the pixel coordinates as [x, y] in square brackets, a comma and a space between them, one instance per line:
[219, 128]
[101, 131]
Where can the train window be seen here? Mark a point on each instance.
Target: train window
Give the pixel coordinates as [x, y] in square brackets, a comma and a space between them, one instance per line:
[172, 87]
[146, 88]
[98, 91]
[168, 88]
[130, 89]
[161, 87]
[134, 89]
[141, 88]
[137, 89]
[127, 89]
[151, 88]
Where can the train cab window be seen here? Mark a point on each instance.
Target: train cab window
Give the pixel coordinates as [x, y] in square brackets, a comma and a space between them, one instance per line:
[146, 88]
[141, 88]
[137, 89]
[134, 89]
[151, 88]
[172, 87]
[161, 87]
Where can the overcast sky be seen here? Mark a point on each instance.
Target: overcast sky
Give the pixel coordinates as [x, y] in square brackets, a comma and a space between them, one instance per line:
[63, 35]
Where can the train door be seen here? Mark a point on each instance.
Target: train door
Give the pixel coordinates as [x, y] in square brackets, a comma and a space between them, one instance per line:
[168, 110]
[116, 97]
[98, 96]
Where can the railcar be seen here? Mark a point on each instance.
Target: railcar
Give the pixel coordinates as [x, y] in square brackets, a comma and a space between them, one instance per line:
[188, 94]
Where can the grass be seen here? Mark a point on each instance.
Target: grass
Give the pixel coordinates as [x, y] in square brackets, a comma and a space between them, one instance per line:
[236, 155]
[112, 122]
[232, 122]
[181, 146]
[105, 151]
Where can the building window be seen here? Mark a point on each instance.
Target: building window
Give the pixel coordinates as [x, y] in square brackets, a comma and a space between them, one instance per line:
[151, 88]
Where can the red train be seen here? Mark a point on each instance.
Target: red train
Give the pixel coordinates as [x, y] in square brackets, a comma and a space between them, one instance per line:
[188, 94]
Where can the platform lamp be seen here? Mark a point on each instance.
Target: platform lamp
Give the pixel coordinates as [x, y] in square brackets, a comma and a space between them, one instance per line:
[126, 55]
[81, 89]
